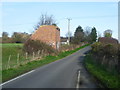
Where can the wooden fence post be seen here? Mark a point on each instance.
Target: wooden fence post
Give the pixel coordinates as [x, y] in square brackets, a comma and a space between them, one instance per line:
[18, 59]
[26, 57]
[38, 53]
[8, 66]
[26, 54]
[33, 55]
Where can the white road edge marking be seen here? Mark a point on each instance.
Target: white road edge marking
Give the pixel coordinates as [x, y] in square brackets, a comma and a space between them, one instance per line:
[17, 77]
[78, 80]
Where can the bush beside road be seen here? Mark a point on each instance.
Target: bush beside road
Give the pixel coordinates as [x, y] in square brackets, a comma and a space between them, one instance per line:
[107, 78]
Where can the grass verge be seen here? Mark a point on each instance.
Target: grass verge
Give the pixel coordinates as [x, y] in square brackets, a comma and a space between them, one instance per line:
[108, 79]
[12, 73]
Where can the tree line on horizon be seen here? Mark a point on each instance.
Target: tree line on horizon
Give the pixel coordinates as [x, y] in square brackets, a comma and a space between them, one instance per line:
[17, 37]
[88, 35]
[80, 35]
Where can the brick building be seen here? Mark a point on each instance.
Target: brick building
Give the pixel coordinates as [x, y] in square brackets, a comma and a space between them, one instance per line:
[49, 34]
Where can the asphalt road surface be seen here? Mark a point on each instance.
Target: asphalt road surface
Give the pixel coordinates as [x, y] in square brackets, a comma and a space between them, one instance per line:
[59, 74]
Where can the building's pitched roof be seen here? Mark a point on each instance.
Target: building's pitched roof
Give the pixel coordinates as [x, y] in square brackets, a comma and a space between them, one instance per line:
[37, 33]
[49, 26]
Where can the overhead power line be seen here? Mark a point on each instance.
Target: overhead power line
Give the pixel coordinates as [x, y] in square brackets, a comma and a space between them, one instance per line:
[81, 17]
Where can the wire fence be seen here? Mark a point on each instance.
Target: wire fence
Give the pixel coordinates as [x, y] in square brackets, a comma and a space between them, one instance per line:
[17, 59]
[21, 59]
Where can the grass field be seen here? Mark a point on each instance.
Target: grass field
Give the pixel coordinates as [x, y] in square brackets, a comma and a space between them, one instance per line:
[13, 50]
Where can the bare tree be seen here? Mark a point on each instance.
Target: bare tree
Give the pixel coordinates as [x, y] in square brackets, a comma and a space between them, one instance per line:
[45, 20]
[87, 32]
[88, 29]
[87, 35]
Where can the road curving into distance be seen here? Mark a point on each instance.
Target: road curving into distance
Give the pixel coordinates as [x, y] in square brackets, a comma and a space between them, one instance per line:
[68, 72]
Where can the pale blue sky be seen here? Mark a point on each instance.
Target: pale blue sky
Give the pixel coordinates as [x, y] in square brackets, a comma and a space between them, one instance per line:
[22, 16]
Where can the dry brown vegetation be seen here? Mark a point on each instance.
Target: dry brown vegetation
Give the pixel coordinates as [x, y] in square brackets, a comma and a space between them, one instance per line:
[36, 46]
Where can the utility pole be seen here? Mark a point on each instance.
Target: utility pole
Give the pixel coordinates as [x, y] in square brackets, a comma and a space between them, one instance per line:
[69, 30]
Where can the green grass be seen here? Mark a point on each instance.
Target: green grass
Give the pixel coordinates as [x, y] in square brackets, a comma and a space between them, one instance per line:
[13, 50]
[11, 73]
[106, 78]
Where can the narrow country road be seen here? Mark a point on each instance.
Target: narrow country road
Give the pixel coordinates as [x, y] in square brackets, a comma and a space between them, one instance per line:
[59, 74]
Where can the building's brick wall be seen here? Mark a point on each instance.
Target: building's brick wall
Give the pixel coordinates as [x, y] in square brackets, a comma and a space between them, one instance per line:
[48, 34]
